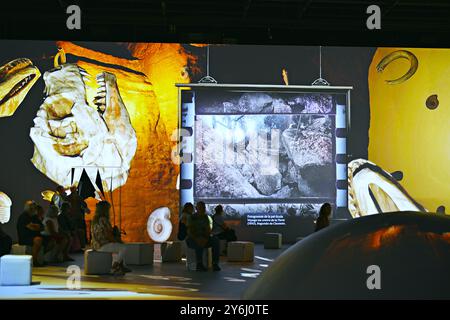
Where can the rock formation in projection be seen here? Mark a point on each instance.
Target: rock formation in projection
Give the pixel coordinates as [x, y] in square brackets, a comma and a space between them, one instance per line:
[264, 156]
[69, 133]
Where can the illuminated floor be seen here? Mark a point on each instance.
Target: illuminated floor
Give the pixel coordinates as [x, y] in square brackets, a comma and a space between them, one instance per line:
[160, 281]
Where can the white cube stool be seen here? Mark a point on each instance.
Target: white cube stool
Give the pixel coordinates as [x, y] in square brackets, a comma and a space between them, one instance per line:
[171, 251]
[139, 253]
[240, 251]
[18, 249]
[15, 270]
[191, 259]
[272, 240]
[97, 262]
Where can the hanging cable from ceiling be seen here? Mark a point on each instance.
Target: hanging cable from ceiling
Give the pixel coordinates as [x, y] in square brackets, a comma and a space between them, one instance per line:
[320, 81]
[207, 78]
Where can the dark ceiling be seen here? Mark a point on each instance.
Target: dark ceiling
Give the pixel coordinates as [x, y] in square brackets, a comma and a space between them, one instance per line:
[407, 22]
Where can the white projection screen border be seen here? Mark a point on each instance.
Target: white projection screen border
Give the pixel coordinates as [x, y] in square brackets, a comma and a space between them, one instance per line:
[189, 113]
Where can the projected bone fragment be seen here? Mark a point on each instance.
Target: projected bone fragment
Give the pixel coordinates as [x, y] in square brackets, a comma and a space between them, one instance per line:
[16, 79]
[69, 133]
[5, 207]
[399, 54]
[159, 226]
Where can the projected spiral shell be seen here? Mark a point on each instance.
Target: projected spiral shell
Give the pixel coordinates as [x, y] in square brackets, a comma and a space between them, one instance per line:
[159, 226]
[5, 207]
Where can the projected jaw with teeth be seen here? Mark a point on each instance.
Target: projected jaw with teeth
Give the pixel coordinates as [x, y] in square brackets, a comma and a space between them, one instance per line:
[16, 79]
[69, 133]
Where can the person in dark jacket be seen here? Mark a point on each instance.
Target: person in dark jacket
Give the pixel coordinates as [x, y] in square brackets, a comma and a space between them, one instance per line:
[200, 237]
[29, 229]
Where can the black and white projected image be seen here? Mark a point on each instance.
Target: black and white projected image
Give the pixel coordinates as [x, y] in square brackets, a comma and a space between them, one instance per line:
[242, 102]
[270, 156]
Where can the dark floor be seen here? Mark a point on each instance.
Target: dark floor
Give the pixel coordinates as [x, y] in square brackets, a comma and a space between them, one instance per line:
[160, 281]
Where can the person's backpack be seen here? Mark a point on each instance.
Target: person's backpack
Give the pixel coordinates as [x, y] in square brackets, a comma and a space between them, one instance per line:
[182, 231]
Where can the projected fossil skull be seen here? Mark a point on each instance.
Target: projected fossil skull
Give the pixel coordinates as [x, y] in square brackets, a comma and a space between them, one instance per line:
[372, 190]
[69, 133]
[16, 79]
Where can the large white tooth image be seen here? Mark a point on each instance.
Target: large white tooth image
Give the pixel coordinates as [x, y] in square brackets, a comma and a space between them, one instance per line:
[70, 134]
[372, 190]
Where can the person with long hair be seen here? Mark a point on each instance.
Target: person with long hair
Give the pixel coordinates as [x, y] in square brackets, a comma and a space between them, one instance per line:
[324, 216]
[103, 238]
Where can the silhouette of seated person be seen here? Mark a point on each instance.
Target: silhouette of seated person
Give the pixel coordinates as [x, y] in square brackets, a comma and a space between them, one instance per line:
[323, 220]
[220, 229]
[200, 237]
[29, 229]
[103, 238]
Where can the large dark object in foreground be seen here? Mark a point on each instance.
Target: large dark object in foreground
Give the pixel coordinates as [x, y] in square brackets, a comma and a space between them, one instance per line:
[411, 249]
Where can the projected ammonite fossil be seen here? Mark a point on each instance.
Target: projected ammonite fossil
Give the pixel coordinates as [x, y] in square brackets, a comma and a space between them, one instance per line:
[159, 226]
[372, 190]
[16, 79]
[5, 207]
[69, 133]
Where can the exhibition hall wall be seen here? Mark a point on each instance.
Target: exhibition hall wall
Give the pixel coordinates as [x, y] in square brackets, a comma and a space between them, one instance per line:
[113, 119]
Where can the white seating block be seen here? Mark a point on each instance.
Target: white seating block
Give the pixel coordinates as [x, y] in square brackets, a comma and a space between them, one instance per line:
[15, 270]
[139, 253]
[240, 251]
[97, 262]
[18, 249]
[272, 240]
[171, 251]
